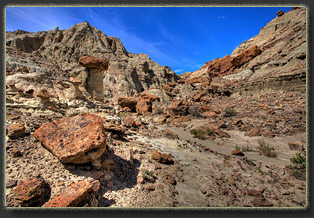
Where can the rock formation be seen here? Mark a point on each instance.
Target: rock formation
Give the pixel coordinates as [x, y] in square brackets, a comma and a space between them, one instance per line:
[78, 140]
[126, 75]
[277, 53]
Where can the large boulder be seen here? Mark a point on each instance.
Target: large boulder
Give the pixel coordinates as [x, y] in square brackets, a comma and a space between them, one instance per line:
[77, 140]
[129, 102]
[144, 106]
[94, 62]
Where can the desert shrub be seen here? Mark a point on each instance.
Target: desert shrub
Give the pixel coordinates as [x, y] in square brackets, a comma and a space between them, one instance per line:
[159, 111]
[298, 166]
[198, 133]
[229, 112]
[266, 150]
[246, 149]
[195, 111]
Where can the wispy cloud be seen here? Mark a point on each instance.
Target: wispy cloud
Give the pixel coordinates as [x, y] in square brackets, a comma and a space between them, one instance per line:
[178, 70]
[221, 17]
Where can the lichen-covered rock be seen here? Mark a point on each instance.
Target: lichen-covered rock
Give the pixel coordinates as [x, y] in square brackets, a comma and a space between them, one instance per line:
[78, 140]
[32, 192]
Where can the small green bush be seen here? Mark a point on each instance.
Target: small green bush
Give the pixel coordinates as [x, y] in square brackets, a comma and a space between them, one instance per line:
[266, 150]
[298, 166]
[159, 111]
[200, 133]
[229, 112]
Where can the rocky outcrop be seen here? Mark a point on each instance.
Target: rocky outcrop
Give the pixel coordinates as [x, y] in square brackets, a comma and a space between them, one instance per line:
[126, 75]
[78, 140]
[277, 54]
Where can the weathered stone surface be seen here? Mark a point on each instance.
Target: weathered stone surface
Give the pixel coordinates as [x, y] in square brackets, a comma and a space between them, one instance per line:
[78, 140]
[246, 56]
[72, 196]
[254, 132]
[129, 102]
[32, 192]
[144, 106]
[220, 133]
[255, 193]
[161, 157]
[129, 121]
[261, 202]
[16, 130]
[94, 62]
[43, 94]
[237, 153]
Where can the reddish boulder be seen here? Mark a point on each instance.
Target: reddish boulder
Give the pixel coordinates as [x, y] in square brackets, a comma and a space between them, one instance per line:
[144, 106]
[32, 192]
[209, 114]
[72, 196]
[205, 108]
[129, 122]
[225, 64]
[246, 55]
[16, 130]
[94, 62]
[161, 157]
[78, 140]
[129, 102]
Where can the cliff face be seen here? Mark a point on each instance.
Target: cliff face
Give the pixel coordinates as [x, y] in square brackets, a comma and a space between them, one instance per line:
[277, 51]
[127, 73]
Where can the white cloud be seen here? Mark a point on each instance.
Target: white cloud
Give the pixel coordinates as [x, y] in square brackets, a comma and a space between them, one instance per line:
[221, 17]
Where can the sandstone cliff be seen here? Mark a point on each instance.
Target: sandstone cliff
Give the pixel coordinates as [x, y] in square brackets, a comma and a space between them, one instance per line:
[277, 52]
[59, 50]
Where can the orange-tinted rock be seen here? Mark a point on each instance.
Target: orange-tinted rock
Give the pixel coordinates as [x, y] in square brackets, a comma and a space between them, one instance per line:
[94, 62]
[75, 80]
[78, 140]
[196, 80]
[205, 108]
[144, 106]
[32, 192]
[16, 130]
[220, 134]
[43, 94]
[237, 153]
[71, 196]
[167, 88]
[161, 157]
[198, 96]
[149, 97]
[246, 55]
[225, 64]
[129, 102]
[254, 132]
[129, 122]
[209, 114]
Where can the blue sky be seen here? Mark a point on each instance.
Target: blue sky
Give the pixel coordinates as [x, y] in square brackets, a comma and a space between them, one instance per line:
[183, 38]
